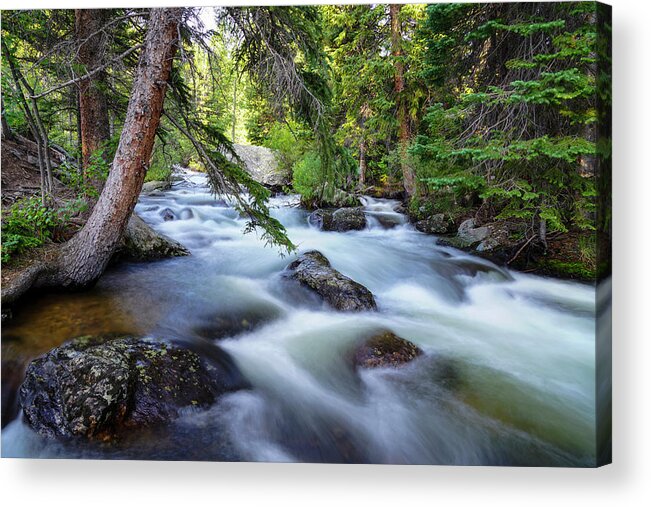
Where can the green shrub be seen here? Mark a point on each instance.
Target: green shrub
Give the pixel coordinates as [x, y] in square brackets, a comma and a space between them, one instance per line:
[288, 143]
[28, 224]
[307, 179]
[97, 170]
[159, 172]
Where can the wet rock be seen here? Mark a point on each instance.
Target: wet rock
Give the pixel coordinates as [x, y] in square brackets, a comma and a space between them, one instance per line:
[142, 243]
[385, 350]
[340, 220]
[154, 186]
[492, 241]
[96, 387]
[435, 224]
[167, 214]
[235, 322]
[313, 270]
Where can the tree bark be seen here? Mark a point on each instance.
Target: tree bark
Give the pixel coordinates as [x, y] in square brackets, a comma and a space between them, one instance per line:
[408, 178]
[93, 106]
[83, 259]
[6, 129]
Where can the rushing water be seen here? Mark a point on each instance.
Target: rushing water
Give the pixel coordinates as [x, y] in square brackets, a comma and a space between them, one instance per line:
[507, 375]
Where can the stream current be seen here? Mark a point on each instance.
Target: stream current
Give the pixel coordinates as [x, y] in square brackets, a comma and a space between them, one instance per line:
[507, 376]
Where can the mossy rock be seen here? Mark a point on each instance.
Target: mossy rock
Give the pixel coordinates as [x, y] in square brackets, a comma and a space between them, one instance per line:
[96, 387]
[385, 350]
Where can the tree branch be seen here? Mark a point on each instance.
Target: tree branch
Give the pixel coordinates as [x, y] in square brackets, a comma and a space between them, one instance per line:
[89, 74]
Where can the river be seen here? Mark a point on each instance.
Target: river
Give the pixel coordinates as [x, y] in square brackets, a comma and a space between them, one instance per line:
[507, 376]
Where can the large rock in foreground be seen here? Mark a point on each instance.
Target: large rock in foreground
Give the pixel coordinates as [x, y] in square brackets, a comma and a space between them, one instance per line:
[340, 220]
[96, 387]
[313, 270]
[142, 243]
[385, 350]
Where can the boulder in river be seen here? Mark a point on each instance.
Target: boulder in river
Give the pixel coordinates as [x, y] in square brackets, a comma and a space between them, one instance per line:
[167, 214]
[95, 387]
[142, 243]
[384, 350]
[314, 271]
[340, 220]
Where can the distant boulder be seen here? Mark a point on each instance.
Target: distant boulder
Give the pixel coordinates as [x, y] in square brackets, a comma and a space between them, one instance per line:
[262, 164]
[155, 186]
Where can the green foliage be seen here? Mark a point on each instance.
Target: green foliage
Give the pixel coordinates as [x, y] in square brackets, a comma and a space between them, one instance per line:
[83, 183]
[307, 176]
[290, 142]
[513, 125]
[569, 269]
[27, 224]
[358, 42]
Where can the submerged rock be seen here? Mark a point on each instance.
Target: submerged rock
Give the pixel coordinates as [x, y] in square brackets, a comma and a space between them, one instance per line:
[95, 387]
[313, 270]
[385, 349]
[142, 243]
[340, 220]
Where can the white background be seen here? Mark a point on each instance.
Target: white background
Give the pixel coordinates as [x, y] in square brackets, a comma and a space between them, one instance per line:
[625, 483]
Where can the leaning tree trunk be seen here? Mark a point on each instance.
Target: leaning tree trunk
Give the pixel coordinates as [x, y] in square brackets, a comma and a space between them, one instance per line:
[83, 259]
[93, 106]
[408, 179]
